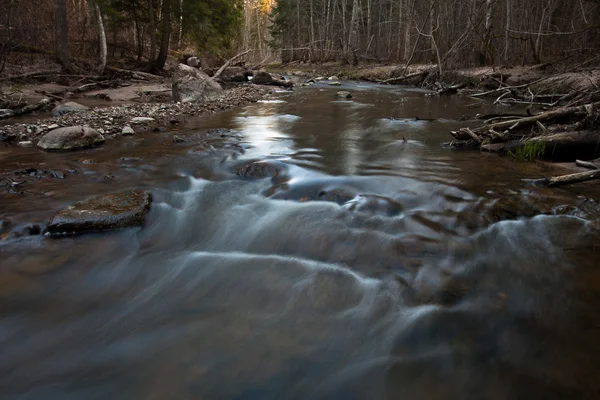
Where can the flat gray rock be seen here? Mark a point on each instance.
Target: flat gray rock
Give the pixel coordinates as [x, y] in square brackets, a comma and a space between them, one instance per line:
[68, 107]
[111, 211]
[70, 138]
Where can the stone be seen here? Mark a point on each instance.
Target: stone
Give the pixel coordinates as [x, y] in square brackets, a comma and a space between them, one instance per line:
[5, 225]
[335, 83]
[6, 113]
[70, 138]
[193, 62]
[344, 95]
[333, 78]
[235, 74]
[262, 78]
[127, 130]
[177, 139]
[53, 126]
[106, 212]
[260, 169]
[193, 85]
[142, 120]
[68, 107]
[26, 143]
[57, 174]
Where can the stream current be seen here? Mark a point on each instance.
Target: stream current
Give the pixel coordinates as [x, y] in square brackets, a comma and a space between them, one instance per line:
[370, 263]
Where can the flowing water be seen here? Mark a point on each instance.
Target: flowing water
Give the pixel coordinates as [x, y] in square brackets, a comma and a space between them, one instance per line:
[369, 263]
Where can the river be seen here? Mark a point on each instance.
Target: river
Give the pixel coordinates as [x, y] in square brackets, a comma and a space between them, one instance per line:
[374, 264]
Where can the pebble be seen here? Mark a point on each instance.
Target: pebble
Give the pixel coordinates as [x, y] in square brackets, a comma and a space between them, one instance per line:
[53, 126]
[27, 143]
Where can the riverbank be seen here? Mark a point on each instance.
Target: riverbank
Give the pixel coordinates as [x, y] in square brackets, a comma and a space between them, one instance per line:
[112, 119]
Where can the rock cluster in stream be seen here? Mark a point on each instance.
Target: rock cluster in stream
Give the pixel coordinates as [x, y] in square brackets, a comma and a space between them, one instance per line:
[111, 121]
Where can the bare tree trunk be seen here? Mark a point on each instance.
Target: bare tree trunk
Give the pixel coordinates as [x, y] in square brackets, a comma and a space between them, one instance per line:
[61, 32]
[166, 35]
[180, 33]
[101, 38]
[507, 31]
[485, 42]
[152, 33]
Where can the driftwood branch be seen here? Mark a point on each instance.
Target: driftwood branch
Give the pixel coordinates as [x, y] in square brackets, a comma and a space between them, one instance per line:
[587, 164]
[232, 59]
[568, 179]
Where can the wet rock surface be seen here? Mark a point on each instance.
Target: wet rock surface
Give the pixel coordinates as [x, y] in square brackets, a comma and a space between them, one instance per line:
[260, 170]
[70, 138]
[106, 212]
[193, 85]
[67, 108]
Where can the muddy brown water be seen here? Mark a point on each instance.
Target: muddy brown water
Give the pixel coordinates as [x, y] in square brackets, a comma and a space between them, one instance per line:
[374, 264]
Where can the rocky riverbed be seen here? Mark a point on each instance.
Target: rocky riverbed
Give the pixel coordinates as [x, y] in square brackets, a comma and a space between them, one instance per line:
[114, 121]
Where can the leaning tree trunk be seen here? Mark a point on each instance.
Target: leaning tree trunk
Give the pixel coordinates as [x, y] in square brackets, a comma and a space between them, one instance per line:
[61, 31]
[166, 35]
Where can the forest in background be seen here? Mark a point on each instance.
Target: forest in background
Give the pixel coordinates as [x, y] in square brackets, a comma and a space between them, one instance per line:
[87, 34]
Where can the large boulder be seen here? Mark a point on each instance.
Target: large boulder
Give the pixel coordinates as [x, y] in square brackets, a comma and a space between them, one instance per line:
[235, 74]
[262, 78]
[70, 138]
[68, 107]
[111, 211]
[192, 85]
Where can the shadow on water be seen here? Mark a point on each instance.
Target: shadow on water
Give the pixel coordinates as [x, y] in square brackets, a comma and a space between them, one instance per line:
[325, 249]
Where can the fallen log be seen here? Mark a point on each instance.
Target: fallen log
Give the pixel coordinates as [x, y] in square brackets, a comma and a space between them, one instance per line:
[452, 89]
[554, 115]
[567, 179]
[30, 74]
[224, 66]
[403, 78]
[27, 109]
[568, 146]
[143, 76]
[587, 164]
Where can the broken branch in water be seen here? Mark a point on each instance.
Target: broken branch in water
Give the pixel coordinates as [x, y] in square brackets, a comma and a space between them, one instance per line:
[568, 179]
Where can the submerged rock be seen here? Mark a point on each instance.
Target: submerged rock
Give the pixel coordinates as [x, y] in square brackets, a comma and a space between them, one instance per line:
[111, 211]
[335, 83]
[70, 138]
[344, 95]
[372, 203]
[260, 170]
[192, 85]
[68, 107]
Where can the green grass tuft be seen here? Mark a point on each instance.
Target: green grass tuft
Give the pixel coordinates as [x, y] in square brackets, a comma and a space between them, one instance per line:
[529, 151]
